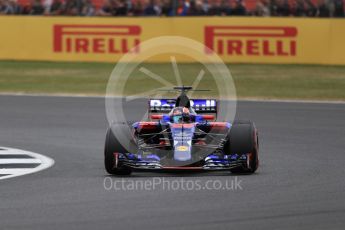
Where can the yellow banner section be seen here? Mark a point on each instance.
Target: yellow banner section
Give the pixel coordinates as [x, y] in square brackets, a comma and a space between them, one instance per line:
[234, 39]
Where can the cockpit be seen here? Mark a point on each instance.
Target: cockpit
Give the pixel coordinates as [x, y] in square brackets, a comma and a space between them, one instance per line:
[182, 115]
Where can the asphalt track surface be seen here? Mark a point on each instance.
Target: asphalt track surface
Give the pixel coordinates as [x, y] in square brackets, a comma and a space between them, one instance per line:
[300, 183]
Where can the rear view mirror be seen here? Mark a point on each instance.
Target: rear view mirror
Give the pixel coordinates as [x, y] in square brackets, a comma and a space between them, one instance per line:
[208, 117]
[156, 116]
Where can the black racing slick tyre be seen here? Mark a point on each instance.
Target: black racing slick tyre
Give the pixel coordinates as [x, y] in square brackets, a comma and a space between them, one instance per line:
[243, 139]
[112, 146]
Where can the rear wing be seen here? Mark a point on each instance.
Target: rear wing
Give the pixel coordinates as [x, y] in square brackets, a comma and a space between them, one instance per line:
[199, 105]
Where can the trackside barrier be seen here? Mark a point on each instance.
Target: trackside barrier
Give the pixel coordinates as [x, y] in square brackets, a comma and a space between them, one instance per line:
[234, 39]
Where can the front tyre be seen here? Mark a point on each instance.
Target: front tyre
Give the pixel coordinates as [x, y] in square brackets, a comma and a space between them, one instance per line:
[112, 147]
[243, 140]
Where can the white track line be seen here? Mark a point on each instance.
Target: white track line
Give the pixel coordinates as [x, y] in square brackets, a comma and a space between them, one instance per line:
[239, 99]
[14, 171]
[45, 162]
[293, 101]
[19, 161]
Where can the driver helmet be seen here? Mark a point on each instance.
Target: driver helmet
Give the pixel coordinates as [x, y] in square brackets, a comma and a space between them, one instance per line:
[180, 115]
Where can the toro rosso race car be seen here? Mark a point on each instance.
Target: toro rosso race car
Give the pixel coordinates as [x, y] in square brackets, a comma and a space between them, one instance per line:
[183, 134]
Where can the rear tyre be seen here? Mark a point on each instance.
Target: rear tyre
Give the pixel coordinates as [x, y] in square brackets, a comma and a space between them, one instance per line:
[112, 145]
[243, 139]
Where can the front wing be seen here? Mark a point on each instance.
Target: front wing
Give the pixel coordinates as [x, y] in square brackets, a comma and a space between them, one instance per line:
[210, 163]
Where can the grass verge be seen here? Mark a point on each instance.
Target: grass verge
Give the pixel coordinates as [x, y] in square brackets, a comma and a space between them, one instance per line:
[307, 82]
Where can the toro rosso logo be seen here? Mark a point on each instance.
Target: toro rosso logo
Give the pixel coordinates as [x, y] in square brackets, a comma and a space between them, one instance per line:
[113, 39]
[251, 40]
[182, 148]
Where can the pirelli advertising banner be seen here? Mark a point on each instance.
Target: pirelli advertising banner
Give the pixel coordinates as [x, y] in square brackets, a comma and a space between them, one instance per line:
[234, 39]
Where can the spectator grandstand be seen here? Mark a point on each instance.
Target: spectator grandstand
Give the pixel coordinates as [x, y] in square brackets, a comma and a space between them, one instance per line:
[279, 8]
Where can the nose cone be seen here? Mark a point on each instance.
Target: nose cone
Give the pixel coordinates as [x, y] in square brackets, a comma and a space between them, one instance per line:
[182, 135]
[182, 153]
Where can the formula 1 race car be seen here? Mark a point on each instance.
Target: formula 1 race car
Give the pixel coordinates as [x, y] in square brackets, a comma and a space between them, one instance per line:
[183, 134]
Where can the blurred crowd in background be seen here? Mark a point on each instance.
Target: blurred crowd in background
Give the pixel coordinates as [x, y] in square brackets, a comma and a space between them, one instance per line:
[282, 8]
